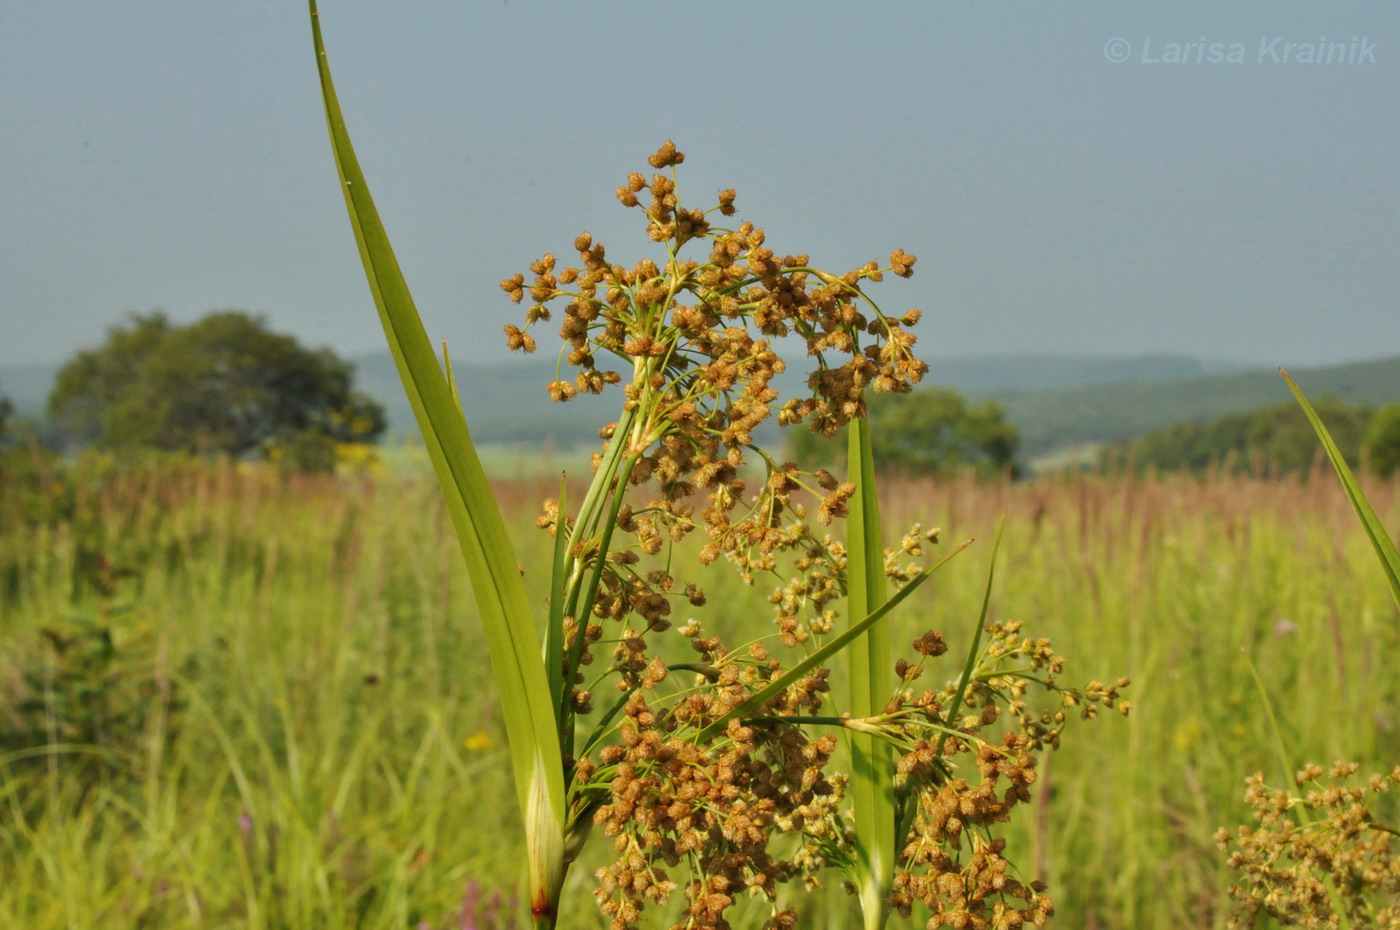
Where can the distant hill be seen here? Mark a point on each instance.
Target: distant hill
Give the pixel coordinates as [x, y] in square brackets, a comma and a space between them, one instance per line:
[1095, 413]
[506, 401]
[998, 374]
[1055, 401]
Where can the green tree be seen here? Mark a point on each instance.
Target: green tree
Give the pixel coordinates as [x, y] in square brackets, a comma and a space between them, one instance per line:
[224, 384]
[1383, 441]
[933, 431]
[1279, 439]
[1284, 439]
[7, 410]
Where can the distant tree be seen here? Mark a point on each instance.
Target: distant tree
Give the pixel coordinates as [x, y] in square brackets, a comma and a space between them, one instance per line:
[224, 384]
[1283, 437]
[1194, 446]
[1383, 441]
[7, 410]
[1279, 439]
[933, 431]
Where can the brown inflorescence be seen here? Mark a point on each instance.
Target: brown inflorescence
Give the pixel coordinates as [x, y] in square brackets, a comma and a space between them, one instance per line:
[1316, 857]
[675, 775]
[714, 807]
[951, 862]
[693, 340]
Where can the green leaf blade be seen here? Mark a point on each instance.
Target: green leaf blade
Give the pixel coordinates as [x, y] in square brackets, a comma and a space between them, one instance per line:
[955, 706]
[1381, 541]
[501, 597]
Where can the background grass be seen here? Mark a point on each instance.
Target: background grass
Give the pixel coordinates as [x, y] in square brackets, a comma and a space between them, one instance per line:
[292, 725]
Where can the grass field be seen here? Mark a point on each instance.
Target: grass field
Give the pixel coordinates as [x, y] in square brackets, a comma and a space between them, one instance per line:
[288, 721]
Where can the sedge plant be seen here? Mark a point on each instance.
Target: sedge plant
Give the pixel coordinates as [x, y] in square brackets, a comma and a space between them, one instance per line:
[719, 765]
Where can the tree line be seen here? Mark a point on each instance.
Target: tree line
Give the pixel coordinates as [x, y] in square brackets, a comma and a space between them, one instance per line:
[1275, 440]
[227, 385]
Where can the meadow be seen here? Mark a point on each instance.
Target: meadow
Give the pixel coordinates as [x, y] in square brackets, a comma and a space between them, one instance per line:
[236, 697]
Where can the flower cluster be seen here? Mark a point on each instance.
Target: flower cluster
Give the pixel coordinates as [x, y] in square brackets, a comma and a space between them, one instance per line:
[951, 862]
[668, 798]
[1317, 856]
[690, 341]
[703, 763]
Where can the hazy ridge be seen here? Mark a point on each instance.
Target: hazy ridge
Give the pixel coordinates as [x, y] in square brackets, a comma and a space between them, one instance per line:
[1055, 401]
[1093, 413]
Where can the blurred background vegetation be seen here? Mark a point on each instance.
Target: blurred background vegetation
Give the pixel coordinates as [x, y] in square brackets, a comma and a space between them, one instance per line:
[244, 391]
[236, 695]
[242, 687]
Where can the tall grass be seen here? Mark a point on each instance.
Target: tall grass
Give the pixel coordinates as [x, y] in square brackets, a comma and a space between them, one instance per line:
[320, 748]
[315, 773]
[1172, 580]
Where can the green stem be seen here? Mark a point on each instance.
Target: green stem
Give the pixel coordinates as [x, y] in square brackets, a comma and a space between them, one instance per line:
[584, 606]
[871, 673]
[554, 629]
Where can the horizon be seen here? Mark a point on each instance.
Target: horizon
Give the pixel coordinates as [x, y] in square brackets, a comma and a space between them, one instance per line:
[1066, 188]
[932, 360]
[1212, 368]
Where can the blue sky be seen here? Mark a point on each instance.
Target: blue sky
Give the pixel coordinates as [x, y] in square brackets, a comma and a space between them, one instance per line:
[173, 155]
